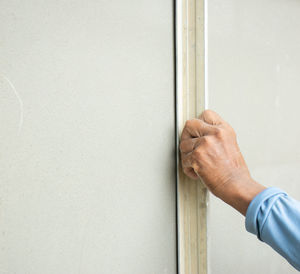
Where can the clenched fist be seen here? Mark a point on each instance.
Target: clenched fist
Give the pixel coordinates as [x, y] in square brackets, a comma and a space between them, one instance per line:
[209, 150]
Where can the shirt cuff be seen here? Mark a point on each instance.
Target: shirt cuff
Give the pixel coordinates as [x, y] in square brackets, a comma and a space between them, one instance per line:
[251, 222]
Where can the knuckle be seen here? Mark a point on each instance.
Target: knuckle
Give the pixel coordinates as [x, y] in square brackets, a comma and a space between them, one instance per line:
[231, 130]
[188, 124]
[181, 145]
[198, 153]
[220, 133]
[184, 161]
[201, 123]
[208, 113]
[206, 140]
[232, 133]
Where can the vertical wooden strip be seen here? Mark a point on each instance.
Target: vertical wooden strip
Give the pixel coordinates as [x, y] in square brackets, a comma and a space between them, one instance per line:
[192, 194]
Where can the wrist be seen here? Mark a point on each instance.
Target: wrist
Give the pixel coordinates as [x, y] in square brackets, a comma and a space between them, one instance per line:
[239, 194]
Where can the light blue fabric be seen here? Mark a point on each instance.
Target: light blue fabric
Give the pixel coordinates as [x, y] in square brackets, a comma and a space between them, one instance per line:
[275, 218]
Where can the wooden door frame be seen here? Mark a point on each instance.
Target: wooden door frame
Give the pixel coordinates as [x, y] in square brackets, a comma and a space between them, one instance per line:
[191, 100]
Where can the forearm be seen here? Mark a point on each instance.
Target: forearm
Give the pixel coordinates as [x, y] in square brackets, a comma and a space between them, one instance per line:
[239, 194]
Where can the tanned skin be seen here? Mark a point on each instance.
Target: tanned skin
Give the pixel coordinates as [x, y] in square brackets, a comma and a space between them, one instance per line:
[209, 150]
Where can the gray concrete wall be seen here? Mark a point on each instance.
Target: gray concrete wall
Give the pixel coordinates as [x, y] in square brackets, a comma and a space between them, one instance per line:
[87, 168]
[253, 79]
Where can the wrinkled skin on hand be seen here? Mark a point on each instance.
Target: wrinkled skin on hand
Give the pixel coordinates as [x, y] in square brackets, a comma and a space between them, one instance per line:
[209, 150]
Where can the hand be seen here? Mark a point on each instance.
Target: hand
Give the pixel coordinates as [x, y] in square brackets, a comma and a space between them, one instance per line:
[209, 150]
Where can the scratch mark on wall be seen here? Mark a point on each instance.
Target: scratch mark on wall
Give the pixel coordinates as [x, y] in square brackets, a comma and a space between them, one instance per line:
[19, 100]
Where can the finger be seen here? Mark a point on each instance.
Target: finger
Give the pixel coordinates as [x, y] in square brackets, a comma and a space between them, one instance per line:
[188, 145]
[196, 128]
[189, 171]
[211, 117]
[186, 160]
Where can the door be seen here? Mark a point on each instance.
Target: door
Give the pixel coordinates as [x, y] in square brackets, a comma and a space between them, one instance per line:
[87, 137]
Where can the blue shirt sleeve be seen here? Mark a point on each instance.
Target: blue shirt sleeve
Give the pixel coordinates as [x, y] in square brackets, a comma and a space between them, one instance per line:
[275, 218]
